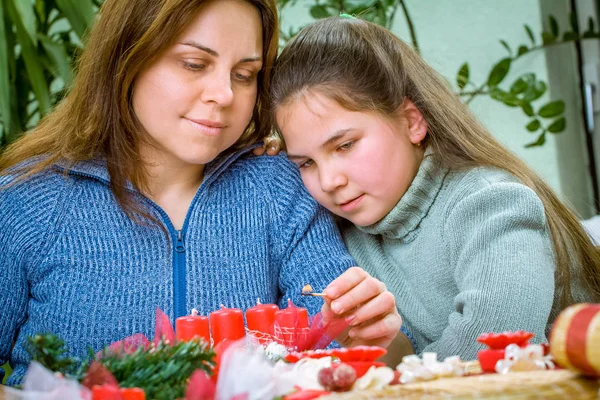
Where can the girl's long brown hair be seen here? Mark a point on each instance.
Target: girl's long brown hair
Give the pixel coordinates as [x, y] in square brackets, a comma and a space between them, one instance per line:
[96, 119]
[364, 67]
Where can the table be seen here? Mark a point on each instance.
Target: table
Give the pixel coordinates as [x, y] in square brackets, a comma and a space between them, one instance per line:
[552, 384]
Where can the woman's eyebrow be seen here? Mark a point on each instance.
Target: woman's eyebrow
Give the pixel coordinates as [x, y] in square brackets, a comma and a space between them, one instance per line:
[214, 53]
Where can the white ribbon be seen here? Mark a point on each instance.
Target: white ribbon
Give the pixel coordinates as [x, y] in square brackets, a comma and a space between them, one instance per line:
[415, 369]
[529, 358]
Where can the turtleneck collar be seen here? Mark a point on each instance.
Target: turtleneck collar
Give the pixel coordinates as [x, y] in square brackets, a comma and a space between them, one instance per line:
[406, 216]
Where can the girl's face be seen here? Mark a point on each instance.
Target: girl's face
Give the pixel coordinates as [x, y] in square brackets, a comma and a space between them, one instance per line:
[197, 98]
[356, 164]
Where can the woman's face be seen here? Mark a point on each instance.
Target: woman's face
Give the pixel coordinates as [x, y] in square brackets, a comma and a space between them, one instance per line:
[196, 99]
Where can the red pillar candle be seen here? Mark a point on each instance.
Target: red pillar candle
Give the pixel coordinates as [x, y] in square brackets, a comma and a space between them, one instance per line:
[227, 323]
[291, 325]
[192, 326]
[260, 320]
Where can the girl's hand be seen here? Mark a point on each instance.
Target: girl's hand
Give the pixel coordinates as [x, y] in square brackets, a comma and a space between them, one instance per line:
[272, 145]
[367, 306]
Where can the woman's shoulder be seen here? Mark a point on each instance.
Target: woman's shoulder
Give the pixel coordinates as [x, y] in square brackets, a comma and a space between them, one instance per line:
[269, 172]
[19, 189]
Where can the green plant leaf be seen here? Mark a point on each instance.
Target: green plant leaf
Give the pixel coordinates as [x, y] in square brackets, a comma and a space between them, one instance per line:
[506, 46]
[519, 86]
[33, 64]
[539, 141]
[522, 50]
[80, 14]
[574, 23]
[590, 28]
[534, 125]
[553, 26]
[558, 125]
[527, 109]
[499, 72]
[508, 99]
[534, 92]
[57, 53]
[27, 15]
[5, 113]
[463, 76]
[548, 38]
[529, 33]
[319, 11]
[552, 109]
[569, 36]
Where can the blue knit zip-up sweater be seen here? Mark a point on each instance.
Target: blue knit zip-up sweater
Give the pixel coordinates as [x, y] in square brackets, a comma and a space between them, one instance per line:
[72, 263]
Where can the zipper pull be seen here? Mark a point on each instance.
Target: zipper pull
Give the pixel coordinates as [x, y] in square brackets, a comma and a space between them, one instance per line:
[180, 248]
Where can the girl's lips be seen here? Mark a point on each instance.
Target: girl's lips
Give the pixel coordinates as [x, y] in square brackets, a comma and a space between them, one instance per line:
[352, 204]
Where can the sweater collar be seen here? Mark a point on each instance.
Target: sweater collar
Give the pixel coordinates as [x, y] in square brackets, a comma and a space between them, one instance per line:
[406, 216]
[96, 168]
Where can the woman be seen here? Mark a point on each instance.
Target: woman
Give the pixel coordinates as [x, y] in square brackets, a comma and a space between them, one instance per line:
[137, 193]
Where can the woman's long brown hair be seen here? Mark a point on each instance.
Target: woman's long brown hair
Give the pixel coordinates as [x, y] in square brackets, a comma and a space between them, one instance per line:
[364, 67]
[96, 119]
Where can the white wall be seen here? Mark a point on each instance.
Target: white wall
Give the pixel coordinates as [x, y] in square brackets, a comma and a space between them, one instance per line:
[451, 32]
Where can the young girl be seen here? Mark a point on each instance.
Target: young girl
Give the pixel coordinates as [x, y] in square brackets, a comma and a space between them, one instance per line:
[466, 237]
[137, 191]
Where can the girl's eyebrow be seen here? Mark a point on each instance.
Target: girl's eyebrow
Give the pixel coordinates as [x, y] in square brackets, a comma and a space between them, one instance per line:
[214, 53]
[336, 136]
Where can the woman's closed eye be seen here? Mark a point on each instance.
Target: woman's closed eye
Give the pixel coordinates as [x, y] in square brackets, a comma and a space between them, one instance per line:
[193, 66]
[244, 77]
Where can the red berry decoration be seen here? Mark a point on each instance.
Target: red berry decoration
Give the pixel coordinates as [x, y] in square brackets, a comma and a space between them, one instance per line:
[326, 378]
[338, 379]
[344, 377]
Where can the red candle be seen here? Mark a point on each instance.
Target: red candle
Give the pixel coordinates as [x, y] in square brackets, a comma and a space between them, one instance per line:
[192, 326]
[260, 320]
[291, 325]
[292, 316]
[227, 323]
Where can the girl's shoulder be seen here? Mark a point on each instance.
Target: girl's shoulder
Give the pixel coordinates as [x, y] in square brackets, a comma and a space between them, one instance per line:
[481, 177]
[490, 189]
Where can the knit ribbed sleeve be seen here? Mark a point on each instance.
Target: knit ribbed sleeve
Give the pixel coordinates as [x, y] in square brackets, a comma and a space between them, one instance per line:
[28, 222]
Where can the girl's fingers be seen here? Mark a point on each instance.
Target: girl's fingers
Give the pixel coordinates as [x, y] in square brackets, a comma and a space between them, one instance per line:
[259, 151]
[383, 329]
[363, 292]
[346, 281]
[273, 145]
[375, 308]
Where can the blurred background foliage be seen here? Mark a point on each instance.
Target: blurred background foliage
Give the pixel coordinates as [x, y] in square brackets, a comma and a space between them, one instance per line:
[39, 39]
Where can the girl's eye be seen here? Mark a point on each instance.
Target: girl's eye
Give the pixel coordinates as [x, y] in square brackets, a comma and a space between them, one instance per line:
[306, 164]
[193, 66]
[346, 146]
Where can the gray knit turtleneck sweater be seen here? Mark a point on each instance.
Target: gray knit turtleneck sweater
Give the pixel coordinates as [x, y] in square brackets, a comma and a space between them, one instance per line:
[464, 252]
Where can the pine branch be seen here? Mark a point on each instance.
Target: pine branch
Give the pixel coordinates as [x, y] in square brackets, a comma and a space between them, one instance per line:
[51, 352]
[163, 370]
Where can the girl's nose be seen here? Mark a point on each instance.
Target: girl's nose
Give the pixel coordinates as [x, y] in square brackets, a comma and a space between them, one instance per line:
[331, 179]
